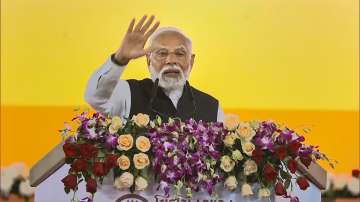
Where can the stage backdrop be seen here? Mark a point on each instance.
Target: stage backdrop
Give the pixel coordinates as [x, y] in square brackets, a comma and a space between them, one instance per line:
[295, 62]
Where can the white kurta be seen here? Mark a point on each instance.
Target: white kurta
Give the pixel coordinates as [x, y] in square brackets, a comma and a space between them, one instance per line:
[108, 94]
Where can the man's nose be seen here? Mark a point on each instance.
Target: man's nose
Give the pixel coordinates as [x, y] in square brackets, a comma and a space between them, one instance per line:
[171, 59]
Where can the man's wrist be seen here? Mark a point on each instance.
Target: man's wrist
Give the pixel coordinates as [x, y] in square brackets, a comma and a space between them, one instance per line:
[118, 62]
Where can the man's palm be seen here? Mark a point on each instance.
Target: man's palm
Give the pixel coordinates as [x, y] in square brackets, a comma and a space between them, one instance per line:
[133, 45]
[134, 41]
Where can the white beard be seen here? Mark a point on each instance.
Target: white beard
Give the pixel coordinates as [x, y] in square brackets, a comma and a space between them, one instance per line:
[169, 83]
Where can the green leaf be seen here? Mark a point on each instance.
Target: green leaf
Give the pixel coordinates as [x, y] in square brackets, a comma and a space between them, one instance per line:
[145, 173]
[101, 154]
[67, 190]
[69, 160]
[287, 183]
[285, 175]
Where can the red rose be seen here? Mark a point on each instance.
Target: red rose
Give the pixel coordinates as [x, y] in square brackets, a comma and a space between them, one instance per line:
[279, 189]
[281, 152]
[88, 151]
[91, 185]
[99, 169]
[294, 148]
[269, 172]
[70, 181]
[79, 165]
[70, 150]
[306, 160]
[258, 155]
[302, 182]
[356, 173]
[110, 161]
[292, 165]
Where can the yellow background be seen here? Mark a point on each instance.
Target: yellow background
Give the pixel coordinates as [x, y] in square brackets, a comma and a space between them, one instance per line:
[295, 62]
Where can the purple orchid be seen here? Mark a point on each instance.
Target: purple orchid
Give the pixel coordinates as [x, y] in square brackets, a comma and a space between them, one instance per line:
[182, 151]
[110, 141]
[265, 143]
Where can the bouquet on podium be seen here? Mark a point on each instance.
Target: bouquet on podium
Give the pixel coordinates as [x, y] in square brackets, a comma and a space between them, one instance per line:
[261, 157]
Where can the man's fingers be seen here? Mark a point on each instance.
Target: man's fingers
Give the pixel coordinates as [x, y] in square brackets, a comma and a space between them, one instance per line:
[147, 25]
[131, 25]
[140, 23]
[152, 30]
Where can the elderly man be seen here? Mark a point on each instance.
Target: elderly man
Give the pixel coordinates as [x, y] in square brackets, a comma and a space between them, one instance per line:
[168, 92]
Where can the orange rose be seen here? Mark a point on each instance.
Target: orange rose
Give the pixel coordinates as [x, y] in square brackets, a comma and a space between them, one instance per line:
[143, 143]
[125, 142]
[141, 160]
[141, 119]
[123, 162]
[231, 122]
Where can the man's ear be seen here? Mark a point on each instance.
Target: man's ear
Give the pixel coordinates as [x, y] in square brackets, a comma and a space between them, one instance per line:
[192, 60]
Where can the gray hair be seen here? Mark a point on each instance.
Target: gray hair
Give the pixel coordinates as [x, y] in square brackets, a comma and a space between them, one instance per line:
[168, 29]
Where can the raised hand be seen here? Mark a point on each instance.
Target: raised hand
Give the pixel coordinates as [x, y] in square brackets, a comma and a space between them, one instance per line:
[132, 46]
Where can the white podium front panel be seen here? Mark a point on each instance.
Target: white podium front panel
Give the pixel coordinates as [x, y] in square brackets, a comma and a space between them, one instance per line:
[52, 189]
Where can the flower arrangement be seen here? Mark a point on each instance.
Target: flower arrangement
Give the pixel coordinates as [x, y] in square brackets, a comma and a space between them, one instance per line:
[100, 144]
[266, 154]
[186, 156]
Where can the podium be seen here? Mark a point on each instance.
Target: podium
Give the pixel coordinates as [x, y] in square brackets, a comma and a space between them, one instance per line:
[46, 176]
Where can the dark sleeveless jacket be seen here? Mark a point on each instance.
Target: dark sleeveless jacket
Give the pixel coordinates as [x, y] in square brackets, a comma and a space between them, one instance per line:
[147, 97]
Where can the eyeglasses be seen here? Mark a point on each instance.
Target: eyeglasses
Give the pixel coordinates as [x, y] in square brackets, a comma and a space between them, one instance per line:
[163, 53]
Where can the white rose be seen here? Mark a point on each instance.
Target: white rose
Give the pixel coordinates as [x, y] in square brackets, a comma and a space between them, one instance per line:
[116, 124]
[250, 167]
[125, 180]
[231, 121]
[248, 148]
[263, 193]
[25, 188]
[236, 155]
[140, 183]
[229, 140]
[246, 190]
[245, 131]
[231, 183]
[227, 164]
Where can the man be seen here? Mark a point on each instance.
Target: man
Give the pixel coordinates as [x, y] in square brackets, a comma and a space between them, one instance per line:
[167, 94]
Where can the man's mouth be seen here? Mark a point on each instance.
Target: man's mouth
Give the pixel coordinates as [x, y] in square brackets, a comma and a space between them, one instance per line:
[171, 73]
